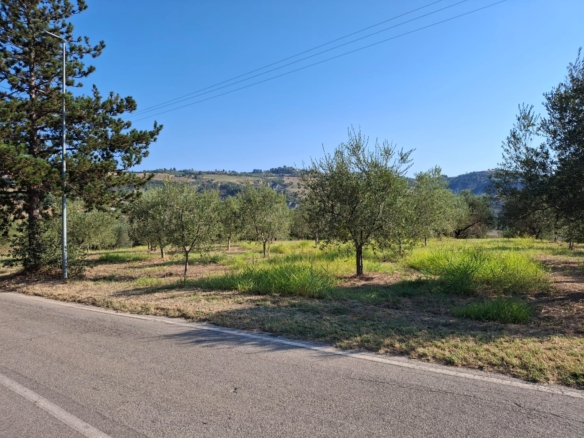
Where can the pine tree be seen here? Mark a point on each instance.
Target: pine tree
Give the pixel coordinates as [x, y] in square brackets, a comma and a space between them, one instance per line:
[101, 145]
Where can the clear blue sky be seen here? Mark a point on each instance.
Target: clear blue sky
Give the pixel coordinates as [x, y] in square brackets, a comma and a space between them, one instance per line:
[450, 92]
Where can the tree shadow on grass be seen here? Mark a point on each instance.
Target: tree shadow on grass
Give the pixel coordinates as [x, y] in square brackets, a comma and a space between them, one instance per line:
[179, 284]
[448, 341]
[111, 278]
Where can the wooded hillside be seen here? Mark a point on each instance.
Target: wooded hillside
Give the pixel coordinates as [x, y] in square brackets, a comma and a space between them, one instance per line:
[285, 180]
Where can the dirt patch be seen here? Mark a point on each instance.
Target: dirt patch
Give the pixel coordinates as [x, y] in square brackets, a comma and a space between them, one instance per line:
[564, 307]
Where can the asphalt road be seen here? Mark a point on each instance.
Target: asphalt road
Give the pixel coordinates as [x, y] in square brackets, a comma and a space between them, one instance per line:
[74, 371]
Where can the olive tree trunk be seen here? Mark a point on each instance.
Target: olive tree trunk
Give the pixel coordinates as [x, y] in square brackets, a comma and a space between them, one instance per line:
[359, 259]
[186, 263]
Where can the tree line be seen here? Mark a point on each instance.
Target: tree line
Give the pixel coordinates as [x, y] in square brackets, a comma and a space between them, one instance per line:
[353, 195]
[372, 205]
[179, 215]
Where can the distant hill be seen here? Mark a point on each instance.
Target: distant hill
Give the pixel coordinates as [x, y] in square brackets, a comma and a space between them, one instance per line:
[282, 179]
[476, 182]
[285, 180]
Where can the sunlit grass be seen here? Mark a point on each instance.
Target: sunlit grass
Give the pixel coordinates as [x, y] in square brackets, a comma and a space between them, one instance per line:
[148, 282]
[299, 279]
[528, 246]
[294, 268]
[464, 269]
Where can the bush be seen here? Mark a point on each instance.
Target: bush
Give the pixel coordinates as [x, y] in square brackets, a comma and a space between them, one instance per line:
[51, 250]
[503, 310]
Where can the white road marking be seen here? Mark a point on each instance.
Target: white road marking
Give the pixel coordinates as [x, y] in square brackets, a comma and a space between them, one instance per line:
[70, 420]
[372, 357]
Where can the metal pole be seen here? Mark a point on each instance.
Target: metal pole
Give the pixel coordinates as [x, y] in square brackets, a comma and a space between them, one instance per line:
[63, 165]
[64, 171]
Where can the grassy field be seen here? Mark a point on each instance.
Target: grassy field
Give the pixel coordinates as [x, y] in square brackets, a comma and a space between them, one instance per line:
[513, 306]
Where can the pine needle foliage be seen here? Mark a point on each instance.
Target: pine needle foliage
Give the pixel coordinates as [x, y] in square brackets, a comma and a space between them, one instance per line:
[101, 145]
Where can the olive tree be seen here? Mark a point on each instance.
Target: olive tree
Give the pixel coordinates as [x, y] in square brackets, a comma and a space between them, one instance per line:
[474, 216]
[433, 205]
[150, 216]
[194, 219]
[231, 221]
[265, 215]
[355, 191]
[93, 229]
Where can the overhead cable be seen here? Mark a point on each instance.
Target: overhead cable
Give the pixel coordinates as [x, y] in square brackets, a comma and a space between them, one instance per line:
[326, 60]
[196, 92]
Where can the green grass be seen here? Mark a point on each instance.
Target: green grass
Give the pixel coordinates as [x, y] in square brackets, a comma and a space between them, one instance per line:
[286, 279]
[377, 295]
[149, 282]
[281, 249]
[119, 257]
[506, 311]
[459, 267]
[464, 270]
[297, 268]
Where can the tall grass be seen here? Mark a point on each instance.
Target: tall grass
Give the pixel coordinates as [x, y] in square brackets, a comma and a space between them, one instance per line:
[461, 268]
[302, 279]
[119, 257]
[464, 270]
[507, 311]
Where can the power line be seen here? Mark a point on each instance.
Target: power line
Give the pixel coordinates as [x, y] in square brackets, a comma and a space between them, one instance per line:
[181, 98]
[326, 60]
[139, 113]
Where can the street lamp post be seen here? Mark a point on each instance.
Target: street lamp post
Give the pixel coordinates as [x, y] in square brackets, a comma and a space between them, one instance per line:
[63, 164]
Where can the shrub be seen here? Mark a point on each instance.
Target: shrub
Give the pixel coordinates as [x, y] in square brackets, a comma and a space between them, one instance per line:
[514, 311]
[50, 256]
[122, 234]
